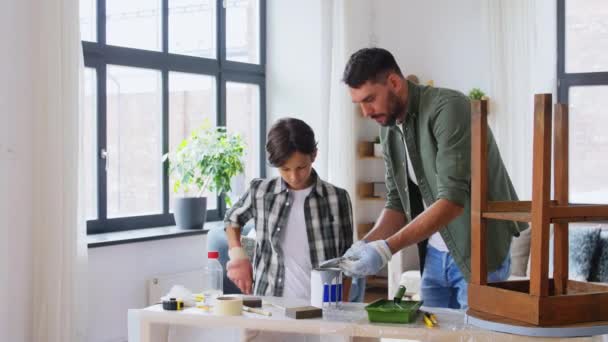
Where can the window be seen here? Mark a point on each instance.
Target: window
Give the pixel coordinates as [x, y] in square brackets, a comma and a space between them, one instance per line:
[582, 71]
[191, 100]
[155, 71]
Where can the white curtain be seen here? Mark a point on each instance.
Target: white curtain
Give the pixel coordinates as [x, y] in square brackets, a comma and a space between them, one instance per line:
[348, 27]
[521, 40]
[342, 119]
[59, 246]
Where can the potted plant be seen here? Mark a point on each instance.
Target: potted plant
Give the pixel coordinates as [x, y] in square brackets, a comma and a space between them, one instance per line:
[477, 94]
[377, 147]
[207, 160]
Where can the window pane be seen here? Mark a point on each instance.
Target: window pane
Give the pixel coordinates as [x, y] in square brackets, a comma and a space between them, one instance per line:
[90, 142]
[134, 23]
[88, 20]
[243, 116]
[588, 144]
[192, 28]
[134, 141]
[191, 103]
[586, 35]
[243, 31]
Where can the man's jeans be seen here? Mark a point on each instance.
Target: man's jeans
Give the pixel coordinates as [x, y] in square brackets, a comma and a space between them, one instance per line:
[444, 286]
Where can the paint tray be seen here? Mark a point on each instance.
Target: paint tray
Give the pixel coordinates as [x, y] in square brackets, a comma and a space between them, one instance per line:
[387, 311]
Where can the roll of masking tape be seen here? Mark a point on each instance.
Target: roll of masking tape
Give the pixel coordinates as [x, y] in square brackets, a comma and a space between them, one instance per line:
[228, 306]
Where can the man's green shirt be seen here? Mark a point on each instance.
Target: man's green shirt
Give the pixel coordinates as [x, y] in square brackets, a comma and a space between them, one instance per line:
[437, 131]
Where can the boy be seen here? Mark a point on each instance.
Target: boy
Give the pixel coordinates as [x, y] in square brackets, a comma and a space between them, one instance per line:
[300, 220]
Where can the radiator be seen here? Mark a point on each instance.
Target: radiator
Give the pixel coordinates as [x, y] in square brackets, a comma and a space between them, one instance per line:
[160, 285]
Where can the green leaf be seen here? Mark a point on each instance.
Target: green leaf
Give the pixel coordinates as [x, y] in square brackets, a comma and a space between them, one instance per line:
[476, 94]
[206, 160]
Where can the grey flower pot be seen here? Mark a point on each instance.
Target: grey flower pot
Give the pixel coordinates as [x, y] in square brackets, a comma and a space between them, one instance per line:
[190, 212]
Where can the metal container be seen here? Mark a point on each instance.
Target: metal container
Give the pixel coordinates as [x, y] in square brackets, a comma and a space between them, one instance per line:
[320, 279]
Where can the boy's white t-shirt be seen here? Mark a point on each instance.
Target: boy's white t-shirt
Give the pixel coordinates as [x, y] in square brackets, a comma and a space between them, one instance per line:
[435, 240]
[296, 251]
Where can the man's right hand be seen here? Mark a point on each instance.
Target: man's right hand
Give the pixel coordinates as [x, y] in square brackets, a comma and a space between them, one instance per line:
[369, 261]
[240, 273]
[355, 250]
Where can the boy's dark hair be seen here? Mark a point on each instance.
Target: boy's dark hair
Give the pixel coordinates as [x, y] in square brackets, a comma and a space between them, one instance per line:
[287, 136]
[369, 64]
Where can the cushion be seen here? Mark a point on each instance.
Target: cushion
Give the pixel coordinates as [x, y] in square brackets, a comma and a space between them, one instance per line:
[582, 245]
[602, 261]
[520, 252]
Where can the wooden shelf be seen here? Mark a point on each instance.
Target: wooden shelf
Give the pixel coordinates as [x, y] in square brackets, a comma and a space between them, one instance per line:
[365, 150]
[370, 157]
[373, 294]
[363, 228]
[375, 281]
[365, 191]
[372, 198]
[375, 288]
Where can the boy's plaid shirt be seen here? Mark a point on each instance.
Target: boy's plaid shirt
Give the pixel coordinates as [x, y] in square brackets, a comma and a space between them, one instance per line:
[329, 225]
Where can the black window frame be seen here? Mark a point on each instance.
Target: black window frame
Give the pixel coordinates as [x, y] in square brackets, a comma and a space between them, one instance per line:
[566, 80]
[98, 55]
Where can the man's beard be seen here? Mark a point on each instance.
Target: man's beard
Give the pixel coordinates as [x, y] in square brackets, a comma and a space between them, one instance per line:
[395, 109]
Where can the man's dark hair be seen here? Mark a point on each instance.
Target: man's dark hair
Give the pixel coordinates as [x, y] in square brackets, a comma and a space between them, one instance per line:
[287, 136]
[369, 64]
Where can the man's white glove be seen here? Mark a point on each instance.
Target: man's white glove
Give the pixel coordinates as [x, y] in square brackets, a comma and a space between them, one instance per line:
[367, 259]
[355, 250]
[239, 269]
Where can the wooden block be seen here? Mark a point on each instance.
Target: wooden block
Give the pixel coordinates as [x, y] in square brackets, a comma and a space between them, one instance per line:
[252, 302]
[301, 312]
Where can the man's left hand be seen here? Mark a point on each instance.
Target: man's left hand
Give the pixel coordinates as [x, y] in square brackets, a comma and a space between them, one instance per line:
[369, 260]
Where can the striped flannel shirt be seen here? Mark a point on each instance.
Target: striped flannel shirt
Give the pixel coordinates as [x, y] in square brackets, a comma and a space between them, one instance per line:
[328, 215]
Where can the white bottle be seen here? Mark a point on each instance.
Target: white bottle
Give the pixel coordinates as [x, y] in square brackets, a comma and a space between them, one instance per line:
[213, 278]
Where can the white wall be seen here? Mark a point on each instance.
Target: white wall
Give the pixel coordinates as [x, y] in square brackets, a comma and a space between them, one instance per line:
[118, 275]
[296, 66]
[16, 149]
[439, 40]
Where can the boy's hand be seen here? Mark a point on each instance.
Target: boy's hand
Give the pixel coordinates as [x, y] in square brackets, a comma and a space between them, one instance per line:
[239, 270]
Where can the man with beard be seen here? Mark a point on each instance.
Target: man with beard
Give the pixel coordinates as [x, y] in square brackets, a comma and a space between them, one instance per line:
[426, 139]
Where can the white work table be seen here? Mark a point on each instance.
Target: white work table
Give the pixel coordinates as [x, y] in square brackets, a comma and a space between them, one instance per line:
[452, 326]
